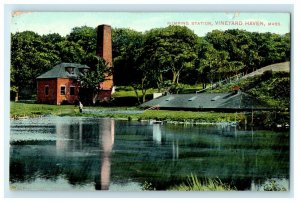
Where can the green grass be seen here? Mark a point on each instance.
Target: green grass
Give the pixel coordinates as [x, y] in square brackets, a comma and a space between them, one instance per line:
[188, 116]
[263, 119]
[129, 92]
[193, 184]
[175, 116]
[23, 110]
[273, 88]
[18, 109]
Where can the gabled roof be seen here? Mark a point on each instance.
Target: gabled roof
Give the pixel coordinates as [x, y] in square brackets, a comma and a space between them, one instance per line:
[59, 71]
[212, 101]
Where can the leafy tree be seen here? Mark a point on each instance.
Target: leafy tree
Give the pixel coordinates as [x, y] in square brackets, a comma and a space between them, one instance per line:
[212, 63]
[90, 80]
[127, 45]
[159, 58]
[70, 52]
[53, 38]
[84, 36]
[144, 80]
[30, 57]
[170, 50]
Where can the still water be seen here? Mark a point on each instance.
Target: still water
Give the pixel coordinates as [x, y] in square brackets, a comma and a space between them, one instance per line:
[79, 153]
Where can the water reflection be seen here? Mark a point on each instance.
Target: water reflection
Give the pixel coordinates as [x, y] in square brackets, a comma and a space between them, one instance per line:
[109, 154]
[175, 150]
[108, 136]
[156, 133]
[157, 138]
[70, 139]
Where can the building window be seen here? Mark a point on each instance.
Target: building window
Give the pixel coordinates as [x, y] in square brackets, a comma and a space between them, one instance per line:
[46, 90]
[63, 90]
[70, 70]
[72, 90]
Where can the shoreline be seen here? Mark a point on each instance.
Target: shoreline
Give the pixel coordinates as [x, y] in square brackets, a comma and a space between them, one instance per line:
[262, 119]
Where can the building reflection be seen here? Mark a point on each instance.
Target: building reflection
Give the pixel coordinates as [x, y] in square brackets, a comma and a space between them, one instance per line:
[71, 138]
[156, 133]
[157, 138]
[68, 137]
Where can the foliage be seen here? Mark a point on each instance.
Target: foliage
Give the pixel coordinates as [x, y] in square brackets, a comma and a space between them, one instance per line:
[193, 184]
[150, 59]
[147, 186]
[272, 88]
[169, 50]
[85, 37]
[91, 79]
[126, 48]
[130, 68]
[30, 57]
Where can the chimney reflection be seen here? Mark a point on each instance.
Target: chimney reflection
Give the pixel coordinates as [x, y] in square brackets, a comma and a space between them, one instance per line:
[175, 150]
[108, 135]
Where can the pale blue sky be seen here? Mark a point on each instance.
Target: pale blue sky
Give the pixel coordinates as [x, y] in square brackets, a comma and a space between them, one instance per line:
[63, 22]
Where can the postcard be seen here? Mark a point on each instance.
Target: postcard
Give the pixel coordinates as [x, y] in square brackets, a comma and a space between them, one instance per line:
[150, 101]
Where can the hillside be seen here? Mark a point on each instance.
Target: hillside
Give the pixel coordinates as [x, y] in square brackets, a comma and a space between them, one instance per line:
[278, 67]
[272, 87]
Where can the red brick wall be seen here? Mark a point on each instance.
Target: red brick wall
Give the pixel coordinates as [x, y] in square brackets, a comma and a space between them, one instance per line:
[104, 95]
[104, 43]
[67, 97]
[54, 87]
[51, 97]
[104, 50]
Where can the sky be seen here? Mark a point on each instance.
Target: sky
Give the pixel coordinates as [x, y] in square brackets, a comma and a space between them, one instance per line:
[200, 22]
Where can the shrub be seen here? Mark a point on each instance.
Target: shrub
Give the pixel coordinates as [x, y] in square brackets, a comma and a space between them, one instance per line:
[193, 184]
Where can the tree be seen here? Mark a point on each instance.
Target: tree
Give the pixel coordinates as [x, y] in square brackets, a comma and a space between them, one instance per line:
[30, 57]
[84, 36]
[170, 50]
[130, 67]
[127, 45]
[211, 63]
[70, 52]
[90, 80]
[53, 38]
[144, 79]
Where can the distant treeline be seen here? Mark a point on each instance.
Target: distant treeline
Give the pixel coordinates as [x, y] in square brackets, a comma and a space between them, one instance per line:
[158, 58]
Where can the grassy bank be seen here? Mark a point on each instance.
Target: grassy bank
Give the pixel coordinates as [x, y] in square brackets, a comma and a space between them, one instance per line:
[172, 116]
[261, 119]
[31, 110]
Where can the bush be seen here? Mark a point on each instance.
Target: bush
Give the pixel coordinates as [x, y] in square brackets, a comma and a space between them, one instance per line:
[193, 184]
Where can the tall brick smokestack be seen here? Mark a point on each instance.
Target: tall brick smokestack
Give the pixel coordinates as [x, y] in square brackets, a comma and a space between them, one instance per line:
[104, 50]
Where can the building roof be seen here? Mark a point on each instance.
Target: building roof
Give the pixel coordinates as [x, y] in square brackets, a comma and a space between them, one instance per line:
[59, 71]
[200, 101]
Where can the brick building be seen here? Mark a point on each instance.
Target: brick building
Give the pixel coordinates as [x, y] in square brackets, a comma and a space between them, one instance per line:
[61, 85]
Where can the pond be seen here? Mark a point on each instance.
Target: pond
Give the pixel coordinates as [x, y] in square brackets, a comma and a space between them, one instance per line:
[81, 153]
